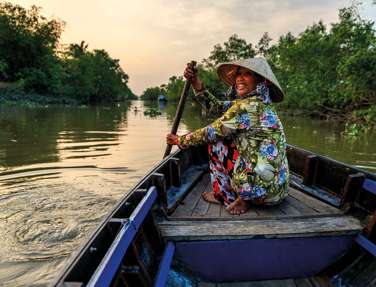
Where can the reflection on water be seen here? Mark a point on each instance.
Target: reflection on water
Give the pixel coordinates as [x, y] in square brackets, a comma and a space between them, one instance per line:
[326, 138]
[62, 170]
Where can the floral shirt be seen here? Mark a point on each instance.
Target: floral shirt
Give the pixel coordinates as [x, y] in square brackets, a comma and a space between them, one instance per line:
[261, 169]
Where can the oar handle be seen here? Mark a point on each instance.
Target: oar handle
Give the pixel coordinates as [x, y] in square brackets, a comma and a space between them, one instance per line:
[180, 108]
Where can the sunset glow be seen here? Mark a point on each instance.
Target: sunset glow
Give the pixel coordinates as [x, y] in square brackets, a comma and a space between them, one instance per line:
[154, 39]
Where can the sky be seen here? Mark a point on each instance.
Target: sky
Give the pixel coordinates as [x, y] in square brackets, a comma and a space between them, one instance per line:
[154, 39]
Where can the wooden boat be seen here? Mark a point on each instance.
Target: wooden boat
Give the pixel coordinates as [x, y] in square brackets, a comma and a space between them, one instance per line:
[163, 234]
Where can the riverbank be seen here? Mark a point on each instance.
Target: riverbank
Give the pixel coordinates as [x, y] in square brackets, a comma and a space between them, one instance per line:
[34, 100]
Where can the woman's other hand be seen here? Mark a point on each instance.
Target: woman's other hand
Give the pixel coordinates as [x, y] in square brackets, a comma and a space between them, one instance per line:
[172, 139]
[191, 73]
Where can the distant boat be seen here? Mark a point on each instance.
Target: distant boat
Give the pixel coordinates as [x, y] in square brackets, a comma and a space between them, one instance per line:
[162, 233]
[162, 98]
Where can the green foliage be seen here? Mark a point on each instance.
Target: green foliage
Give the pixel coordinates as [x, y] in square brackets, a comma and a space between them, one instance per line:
[152, 112]
[152, 94]
[211, 80]
[357, 73]
[353, 130]
[263, 45]
[94, 77]
[174, 88]
[29, 57]
[365, 116]
[27, 40]
[235, 48]
[323, 70]
[3, 69]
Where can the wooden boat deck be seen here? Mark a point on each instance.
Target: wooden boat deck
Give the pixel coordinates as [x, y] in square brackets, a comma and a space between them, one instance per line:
[297, 204]
[299, 215]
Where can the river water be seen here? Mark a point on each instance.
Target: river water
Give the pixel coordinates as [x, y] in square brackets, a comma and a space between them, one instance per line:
[63, 169]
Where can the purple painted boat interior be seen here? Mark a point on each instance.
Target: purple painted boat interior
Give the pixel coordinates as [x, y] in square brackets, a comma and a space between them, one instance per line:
[258, 259]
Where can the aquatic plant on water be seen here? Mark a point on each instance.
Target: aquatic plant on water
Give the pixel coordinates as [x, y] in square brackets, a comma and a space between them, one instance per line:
[152, 112]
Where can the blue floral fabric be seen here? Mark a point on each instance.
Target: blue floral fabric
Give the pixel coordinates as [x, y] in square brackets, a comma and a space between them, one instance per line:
[260, 171]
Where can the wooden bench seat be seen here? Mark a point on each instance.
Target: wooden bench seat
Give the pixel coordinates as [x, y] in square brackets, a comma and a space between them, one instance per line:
[268, 228]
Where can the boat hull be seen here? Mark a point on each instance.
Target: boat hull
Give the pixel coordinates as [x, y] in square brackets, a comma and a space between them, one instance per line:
[262, 258]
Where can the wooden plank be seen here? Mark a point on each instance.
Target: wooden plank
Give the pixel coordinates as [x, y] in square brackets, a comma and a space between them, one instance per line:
[296, 204]
[303, 282]
[227, 215]
[271, 228]
[303, 208]
[186, 207]
[251, 213]
[159, 181]
[366, 276]
[315, 191]
[288, 209]
[201, 207]
[175, 172]
[371, 227]
[320, 282]
[310, 169]
[312, 202]
[268, 211]
[296, 158]
[352, 187]
[331, 175]
[214, 210]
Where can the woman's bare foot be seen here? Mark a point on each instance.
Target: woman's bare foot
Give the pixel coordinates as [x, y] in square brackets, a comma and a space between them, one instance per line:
[238, 207]
[209, 197]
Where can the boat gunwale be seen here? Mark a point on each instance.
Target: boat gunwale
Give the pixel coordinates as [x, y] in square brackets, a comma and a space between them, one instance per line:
[76, 255]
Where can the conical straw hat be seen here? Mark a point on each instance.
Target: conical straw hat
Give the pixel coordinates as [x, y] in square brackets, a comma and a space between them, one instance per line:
[227, 72]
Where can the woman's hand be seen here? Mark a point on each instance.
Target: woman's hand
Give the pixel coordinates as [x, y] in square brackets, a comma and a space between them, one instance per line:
[190, 73]
[172, 139]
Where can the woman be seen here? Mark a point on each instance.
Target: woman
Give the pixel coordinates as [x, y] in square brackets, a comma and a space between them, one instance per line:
[247, 145]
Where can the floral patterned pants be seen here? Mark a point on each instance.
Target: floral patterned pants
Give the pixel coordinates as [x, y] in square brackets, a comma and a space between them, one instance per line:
[222, 157]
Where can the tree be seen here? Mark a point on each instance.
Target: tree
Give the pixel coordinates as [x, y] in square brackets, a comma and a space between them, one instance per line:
[323, 69]
[29, 56]
[235, 48]
[152, 94]
[174, 87]
[211, 80]
[94, 77]
[263, 45]
[76, 50]
[28, 41]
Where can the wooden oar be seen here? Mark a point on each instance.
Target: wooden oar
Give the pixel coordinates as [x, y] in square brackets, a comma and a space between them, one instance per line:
[179, 110]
